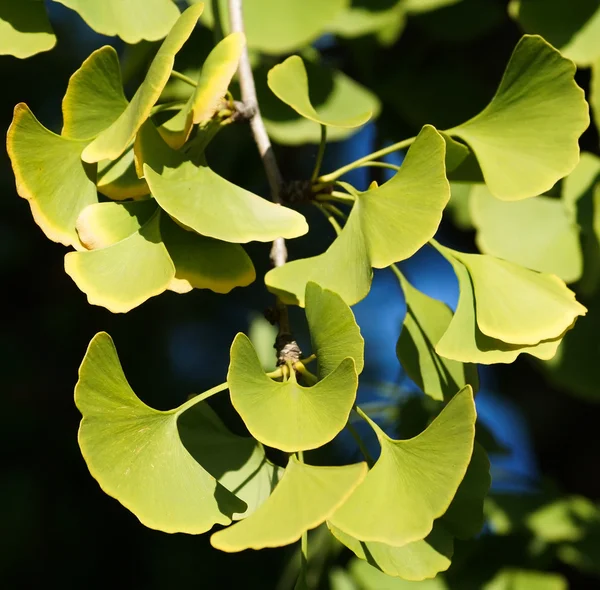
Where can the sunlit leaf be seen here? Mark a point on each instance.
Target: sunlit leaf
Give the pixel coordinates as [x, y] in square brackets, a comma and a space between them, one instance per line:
[118, 179]
[50, 175]
[205, 263]
[413, 481]
[104, 224]
[202, 200]
[124, 275]
[136, 453]
[281, 26]
[284, 414]
[415, 561]
[289, 82]
[520, 155]
[573, 27]
[215, 77]
[425, 322]
[334, 333]
[368, 17]
[132, 20]
[516, 579]
[416, 6]
[331, 93]
[24, 28]
[463, 341]
[518, 305]
[387, 224]
[538, 233]
[304, 498]
[370, 578]
[94, 99]
[115, 139]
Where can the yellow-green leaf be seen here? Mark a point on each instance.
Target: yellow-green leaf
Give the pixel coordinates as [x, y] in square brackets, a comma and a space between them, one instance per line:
[24, 28]
[304, 498]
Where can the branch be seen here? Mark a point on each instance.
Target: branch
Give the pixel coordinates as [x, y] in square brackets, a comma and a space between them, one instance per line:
[278, 251]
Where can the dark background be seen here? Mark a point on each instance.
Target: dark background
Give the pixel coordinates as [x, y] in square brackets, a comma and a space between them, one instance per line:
[57, 527]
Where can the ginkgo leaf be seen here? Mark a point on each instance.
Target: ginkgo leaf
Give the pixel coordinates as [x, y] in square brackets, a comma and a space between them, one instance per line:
[520, 155]
[518, 305]
[413, 481]
[313, 492]
[369, 577]
[425, 322]
[415, 561]
[332, 93]
[132, 20]
[205, 263]
[24, 28]
[573, 28]
[520, 579]
[162, 465]
[387, 224]
[118, 179]
[280, 26]
[284, 414]
[124, 275]
[50, 175]
[464, 342]
[215, 77]
[334, 332]
[202, 200]
[94, 99]
[115, 139]
[289, 82]
[538, 233]
[104, 224]
[362, 18]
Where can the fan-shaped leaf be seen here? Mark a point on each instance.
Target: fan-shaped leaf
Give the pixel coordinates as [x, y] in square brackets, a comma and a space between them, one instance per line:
[94, 99]
[118, 179]
[132, 20]
[202, 200]
[136, 453]
[387, 224]
[334, 333]
[50, 175]
[425, 322]
[413, 481]
[24, 28]
[370, 578]
[289, 82]
[415, 561]
[538, 233]
[115, 139]
[286, 415]
[520, 155]
[124, 275]
[463, 341]
[304, 498]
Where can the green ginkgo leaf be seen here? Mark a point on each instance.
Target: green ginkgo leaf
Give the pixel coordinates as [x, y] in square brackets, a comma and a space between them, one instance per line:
[24, 28]
[104, 224]
[304, 498]
[413, 481]
[132, 20]
[414, 561]
[362, 18]
[136, 453]
[118, 179]
[50, 175]
[124, 275]
[334, 332]
[520, 579]
[368, 577]
[284, 414]
[115, 139]
[331, 93]
[94, 99]
[215, 77]
[573, 28]
[520, 155]
[464, 342]
[518, 305]
[538, 233]
[289, 82]
[387, 224]
[425, 322]
[205, 263]
[212, 206]
[280, 26]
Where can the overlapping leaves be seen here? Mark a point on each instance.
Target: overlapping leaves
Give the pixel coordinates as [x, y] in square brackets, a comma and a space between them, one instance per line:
[24, 28]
